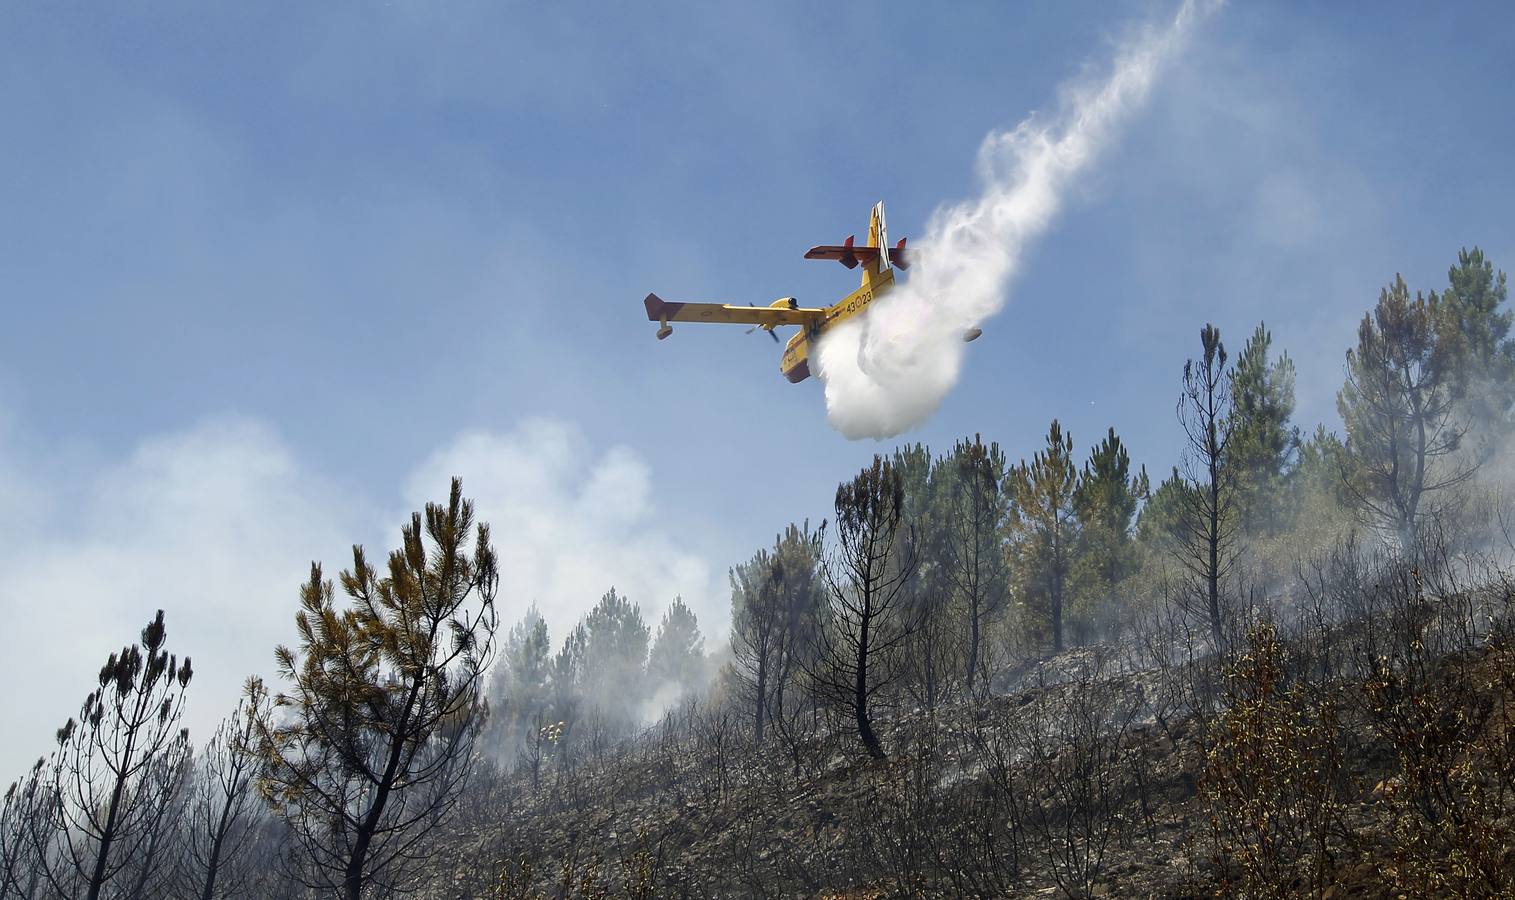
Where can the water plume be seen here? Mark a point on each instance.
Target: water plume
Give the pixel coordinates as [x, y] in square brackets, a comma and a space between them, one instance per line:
[888, 371]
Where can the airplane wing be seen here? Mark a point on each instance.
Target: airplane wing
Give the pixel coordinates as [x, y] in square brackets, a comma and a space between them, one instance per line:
[850, 256]
[659, 309]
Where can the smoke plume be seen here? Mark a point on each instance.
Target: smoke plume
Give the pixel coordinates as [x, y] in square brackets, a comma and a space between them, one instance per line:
[888, 371]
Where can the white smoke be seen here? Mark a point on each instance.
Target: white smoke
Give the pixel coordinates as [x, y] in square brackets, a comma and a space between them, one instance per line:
[888, 371]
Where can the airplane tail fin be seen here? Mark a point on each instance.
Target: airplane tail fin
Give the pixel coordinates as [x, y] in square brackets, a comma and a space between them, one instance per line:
[877, 249]
[878, 235]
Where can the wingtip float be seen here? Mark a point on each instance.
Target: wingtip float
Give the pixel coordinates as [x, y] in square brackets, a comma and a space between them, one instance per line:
[878, 261]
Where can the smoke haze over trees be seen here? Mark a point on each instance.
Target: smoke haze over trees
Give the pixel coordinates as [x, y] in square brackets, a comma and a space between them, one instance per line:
[978, 675]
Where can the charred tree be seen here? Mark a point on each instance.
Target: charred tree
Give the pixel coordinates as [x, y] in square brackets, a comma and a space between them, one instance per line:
[106, 790]
[796, 577]
[1206, 523]
[27, 811]
[866, 574]
[224, 817]
[756, 623]
[776, 613]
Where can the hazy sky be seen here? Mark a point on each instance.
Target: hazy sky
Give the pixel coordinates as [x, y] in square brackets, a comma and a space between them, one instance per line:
[269, 274]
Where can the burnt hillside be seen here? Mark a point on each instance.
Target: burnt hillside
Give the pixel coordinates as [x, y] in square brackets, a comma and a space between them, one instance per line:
[1374, 756]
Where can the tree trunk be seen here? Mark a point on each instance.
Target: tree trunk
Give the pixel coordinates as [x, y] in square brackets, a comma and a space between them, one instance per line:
[108, 833]
[213, 864]
[762, 698]
[972, 644]
[139, 889]
[1213, 573]
[860, 693]
[1057, 605]
[865, 732]
[352, 882]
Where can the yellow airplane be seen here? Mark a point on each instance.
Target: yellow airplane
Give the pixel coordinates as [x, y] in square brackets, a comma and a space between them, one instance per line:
[878, 260]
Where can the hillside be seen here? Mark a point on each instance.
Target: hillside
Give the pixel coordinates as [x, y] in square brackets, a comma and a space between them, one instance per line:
[1078, 780]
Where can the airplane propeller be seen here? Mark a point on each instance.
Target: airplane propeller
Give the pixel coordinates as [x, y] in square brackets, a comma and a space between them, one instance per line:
[771, 332]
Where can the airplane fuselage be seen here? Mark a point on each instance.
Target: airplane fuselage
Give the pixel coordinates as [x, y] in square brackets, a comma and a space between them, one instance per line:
[795, 364]
[877, 261]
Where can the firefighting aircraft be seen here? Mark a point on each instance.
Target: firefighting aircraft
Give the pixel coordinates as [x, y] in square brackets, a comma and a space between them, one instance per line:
[878, 260]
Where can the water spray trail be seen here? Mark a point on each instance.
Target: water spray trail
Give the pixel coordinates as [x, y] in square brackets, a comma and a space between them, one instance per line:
[889, 371]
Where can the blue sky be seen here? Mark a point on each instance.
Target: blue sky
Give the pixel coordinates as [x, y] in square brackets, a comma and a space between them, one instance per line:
[268, 274]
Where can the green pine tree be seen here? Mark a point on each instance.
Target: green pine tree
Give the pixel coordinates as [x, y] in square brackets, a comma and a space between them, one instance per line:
[976, 503]
[677, 658]
[1263, 445]
[519, 693]
[925, 594]
[1105, 504]
[615, 657]
[1399, 406]
[1043, 534]
[1482, 357]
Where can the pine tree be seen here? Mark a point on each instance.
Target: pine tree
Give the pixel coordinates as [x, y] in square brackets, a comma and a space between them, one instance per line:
[1263, 445]
[1318, 473]
[677, 659]
[1399, 405]
[1482, 358]
[373, 741]
[778, 608]
[802, 599]
[757, 623]
[1044, 531]
[1105, 504]
[115, 772]
[225, 818]
[615, 657]
[1207, 526]
[1323, 508]
[28, 825]
[1159, 524]
[525, 662]
[976, 501]
[925, 594]
[519, 692]
[566, 676]
[867, 578]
